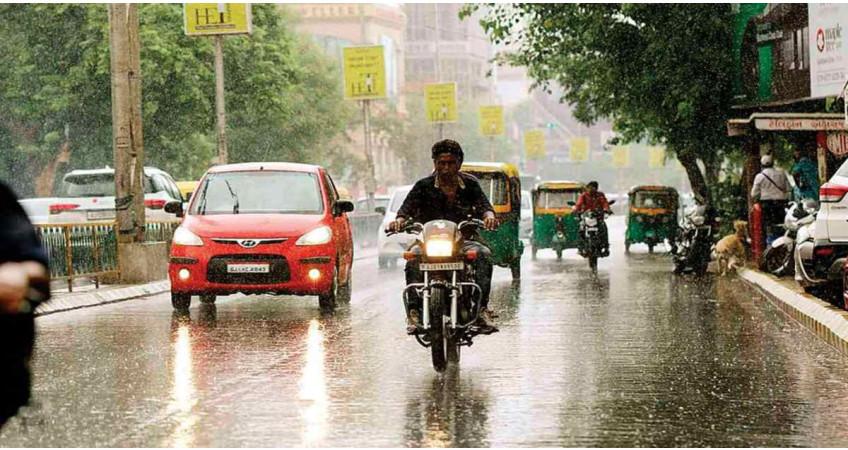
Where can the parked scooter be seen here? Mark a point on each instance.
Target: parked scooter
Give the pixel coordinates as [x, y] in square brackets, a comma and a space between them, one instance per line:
[778, 258]
[695, 241]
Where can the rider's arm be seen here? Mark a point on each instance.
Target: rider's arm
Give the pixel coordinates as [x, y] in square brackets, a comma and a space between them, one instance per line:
[581, 200]
[604, 203]
[411, 204]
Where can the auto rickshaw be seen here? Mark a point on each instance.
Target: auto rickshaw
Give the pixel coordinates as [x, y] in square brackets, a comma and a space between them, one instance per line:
[502, 186]
[652, 217]
[553, 225]
[186, 189]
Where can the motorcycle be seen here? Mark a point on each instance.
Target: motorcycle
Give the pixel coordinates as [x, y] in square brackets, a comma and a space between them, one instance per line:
[591, 243]
[450, 296]
[695, 242]
[818, 266]
[778, 259]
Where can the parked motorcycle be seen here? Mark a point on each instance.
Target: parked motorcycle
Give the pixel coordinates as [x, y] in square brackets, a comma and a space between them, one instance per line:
[450, 296]
[592, 244]
[778, 258]
[695, 241]
[818, 268]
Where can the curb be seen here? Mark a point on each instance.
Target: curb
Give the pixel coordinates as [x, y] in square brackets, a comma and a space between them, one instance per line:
[823, 319]
[67, 302]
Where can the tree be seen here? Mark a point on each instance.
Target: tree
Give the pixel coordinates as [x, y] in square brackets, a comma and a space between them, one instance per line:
[658, 71]
[283, 98]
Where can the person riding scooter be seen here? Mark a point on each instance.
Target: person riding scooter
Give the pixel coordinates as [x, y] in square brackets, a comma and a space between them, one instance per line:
[594, 200]
[449, 194]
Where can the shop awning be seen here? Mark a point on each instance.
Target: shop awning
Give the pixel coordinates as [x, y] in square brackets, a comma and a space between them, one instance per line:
[787, 122]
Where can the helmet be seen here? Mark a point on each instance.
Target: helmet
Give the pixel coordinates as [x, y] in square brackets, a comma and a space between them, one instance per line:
[447, 146]
[766, 160]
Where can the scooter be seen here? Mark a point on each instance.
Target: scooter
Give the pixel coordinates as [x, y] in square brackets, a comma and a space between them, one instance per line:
[816, 267]
[696, 240]
[450, 296]
[778, 259]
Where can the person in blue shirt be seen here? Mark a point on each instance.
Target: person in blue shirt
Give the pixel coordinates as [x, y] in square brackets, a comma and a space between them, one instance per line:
[806, 174]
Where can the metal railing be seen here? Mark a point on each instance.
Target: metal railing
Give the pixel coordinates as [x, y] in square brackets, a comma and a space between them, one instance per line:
[364, 228]
[90, 250]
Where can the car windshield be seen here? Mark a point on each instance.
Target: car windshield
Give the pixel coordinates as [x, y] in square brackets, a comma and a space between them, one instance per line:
[648, 199]
[259, 192]
[494, 185]
[397, 200]
[555, 199]
[94, 185]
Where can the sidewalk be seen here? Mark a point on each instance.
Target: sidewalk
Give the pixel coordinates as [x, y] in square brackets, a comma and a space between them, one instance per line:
[821, 318]
[87, 295]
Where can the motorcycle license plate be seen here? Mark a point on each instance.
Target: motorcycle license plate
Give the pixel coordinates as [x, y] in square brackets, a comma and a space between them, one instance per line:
[248, 268]
[442, 266]
[592, 229]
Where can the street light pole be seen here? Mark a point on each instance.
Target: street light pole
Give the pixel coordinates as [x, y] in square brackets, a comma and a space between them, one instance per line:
[371, 181]
[220, 108]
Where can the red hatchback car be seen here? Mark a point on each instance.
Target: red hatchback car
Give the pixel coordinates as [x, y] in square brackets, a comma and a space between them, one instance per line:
[257, 228]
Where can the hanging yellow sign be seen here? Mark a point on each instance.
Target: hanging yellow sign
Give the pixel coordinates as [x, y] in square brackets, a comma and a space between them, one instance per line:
[534, 144]
[579, 149]
[364, 73]
[441, 102]
[656, 157]
[205, 19]
[620, 156]
[491, 120]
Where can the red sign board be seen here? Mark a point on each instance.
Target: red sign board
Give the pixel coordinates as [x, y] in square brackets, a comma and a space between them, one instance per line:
[790, 124]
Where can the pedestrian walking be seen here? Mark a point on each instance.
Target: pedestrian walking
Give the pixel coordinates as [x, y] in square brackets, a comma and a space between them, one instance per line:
[24, 282]
[806, 175]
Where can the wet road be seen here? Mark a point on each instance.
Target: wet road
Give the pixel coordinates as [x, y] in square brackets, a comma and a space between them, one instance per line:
[637, 357]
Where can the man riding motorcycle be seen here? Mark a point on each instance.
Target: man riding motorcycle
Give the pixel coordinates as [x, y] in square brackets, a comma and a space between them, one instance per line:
[594, 200]
[448, 194]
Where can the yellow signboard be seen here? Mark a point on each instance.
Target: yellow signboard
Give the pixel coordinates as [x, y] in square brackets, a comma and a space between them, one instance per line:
[656, 157]
[441, 102]
[534, 144]
[491, 120]
[364, 73]
[205, 19]
[579, 149]
[620, 156]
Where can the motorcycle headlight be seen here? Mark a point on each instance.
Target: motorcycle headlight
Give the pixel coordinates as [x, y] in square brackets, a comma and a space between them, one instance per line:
[698, 220]
[439, 248]
[318, 236]
[640, 218]
[184, 237]
[591, 221]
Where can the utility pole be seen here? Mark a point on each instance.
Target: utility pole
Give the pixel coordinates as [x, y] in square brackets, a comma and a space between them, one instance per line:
[220, 109]
[127, 140]
[371, 182]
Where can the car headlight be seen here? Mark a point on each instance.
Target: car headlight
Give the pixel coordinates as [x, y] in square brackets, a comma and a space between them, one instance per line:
[318, 236]
[182, 236]
[439, 248]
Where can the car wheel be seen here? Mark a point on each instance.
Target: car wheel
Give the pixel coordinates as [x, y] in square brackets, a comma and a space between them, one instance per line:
[208, 299]
[180, 301]
[345, 290]
[327, 301]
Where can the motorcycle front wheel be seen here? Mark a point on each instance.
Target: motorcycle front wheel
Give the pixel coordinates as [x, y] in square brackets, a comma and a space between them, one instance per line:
[438, 331]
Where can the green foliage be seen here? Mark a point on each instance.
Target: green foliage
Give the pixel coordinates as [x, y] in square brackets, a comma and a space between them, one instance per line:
[283, 96]
[660, 72]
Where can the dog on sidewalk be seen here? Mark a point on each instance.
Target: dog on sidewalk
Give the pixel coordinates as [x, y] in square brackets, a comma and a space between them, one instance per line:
[729, 252]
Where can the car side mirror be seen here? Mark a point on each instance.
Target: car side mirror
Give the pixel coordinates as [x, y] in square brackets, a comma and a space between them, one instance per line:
[381, 210]
[343, 206]
[570, 203]
[174, 208]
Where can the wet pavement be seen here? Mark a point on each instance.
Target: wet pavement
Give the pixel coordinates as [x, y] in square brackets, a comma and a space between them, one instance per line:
[636, 357]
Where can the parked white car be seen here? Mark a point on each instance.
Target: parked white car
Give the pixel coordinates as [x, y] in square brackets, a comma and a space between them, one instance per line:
[390, 248]
[830, 231]
[89, 195]
[38, 208]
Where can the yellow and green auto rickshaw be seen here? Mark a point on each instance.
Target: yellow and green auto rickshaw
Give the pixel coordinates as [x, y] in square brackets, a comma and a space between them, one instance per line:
[553, 225]
[652, 217]
[502, 186]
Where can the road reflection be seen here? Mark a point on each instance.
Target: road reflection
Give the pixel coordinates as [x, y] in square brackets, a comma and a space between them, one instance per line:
[448, 412]
[183, 392]
[313, 387]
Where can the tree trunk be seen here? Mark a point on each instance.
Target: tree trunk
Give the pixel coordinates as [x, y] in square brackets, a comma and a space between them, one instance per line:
[696, 179]
[47, 177]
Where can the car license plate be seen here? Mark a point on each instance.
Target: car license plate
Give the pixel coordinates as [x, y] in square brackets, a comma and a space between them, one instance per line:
[442, 266]
[248, 268]
[105, 214]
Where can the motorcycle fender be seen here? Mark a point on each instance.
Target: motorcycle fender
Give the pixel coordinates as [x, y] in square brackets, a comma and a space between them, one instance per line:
[782, 241]
[834, 273]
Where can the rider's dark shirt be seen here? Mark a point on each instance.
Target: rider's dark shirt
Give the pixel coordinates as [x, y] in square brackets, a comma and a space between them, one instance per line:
[426, 202]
